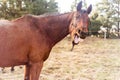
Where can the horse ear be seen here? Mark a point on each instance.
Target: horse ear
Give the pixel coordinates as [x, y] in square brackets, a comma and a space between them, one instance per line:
[79, 6]
[89, 9]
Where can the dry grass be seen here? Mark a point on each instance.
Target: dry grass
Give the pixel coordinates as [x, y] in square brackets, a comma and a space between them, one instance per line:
[94, 59]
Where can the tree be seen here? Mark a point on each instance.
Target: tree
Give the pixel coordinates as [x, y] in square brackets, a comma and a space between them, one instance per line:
[12, 8]
[116, 4]
[15, 8]
[108, 11]
[74, 4]
[41, 6]
[105, 11]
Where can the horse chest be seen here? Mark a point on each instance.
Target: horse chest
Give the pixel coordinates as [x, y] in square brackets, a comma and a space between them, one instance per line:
[39, 51]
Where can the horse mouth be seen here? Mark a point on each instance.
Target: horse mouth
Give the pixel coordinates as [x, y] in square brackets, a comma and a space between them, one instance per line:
[77, 39]
[80, 37]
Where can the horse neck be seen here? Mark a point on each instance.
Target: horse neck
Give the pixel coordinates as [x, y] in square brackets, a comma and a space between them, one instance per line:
[57, 27]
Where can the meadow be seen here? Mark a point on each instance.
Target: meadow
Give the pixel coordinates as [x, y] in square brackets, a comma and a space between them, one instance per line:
[93, 59]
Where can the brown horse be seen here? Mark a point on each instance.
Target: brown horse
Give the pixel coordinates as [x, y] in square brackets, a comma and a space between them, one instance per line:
[29, 39]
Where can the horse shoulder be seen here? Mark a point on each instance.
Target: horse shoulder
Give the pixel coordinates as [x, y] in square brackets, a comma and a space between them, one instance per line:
[40, 47]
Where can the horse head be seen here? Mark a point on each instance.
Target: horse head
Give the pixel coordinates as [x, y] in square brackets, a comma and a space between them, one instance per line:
[79, 24]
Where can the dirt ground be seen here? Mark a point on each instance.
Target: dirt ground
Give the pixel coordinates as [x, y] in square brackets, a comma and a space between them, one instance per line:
[93, 59]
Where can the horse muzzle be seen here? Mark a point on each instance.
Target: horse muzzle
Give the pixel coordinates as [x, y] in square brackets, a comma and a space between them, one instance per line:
[83, 35]
[78, 37]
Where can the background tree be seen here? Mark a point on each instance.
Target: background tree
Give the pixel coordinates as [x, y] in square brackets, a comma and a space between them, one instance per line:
[12, 8]
[105, 10]
[116, 18]
[108, 11]
[75, 2]
[15, 8]
[38, 7]
[95, 24]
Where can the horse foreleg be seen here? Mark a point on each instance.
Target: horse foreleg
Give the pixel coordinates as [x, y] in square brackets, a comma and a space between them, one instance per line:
[3, 71]
[12, 69]
[27, 72]
[35, 70]
[72, 46]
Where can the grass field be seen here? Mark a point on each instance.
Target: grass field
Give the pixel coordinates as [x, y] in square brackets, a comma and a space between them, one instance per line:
[93, 59]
